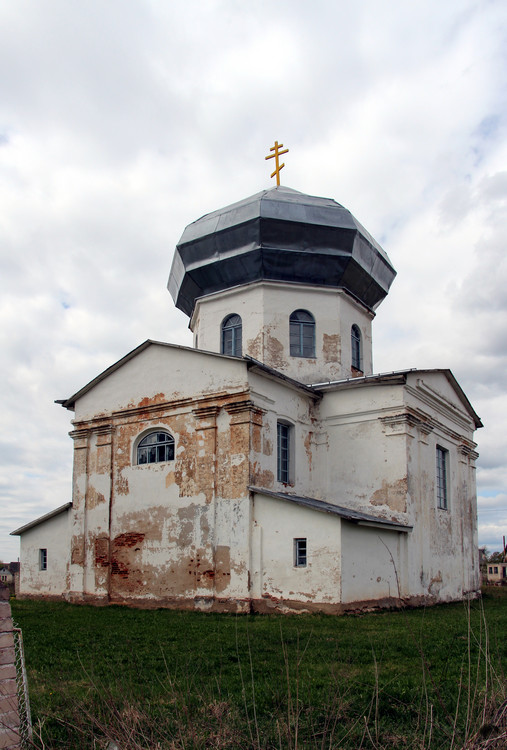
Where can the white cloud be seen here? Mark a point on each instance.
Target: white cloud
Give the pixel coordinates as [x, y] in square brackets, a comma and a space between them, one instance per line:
[122, 122]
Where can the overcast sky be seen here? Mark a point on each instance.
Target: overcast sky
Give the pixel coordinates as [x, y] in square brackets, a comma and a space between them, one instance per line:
[121, 121]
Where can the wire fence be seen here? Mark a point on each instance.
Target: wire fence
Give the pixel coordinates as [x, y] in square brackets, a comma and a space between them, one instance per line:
[25, 719]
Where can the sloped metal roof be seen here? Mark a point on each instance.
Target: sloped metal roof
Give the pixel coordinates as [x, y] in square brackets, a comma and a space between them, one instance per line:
[348, 514]
[399, 377]
[41, 519]
[279, 234]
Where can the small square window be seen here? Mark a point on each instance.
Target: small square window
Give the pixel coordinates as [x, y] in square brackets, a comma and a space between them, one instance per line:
[300, 553]
[43, 559]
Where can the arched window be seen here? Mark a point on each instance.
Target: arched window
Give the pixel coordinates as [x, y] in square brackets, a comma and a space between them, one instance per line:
[231, 336]
[155, 448]
[302, 334]
[355, 340]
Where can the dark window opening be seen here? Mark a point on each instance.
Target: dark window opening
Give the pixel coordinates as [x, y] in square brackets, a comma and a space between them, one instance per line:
[302, 334]
[283, 452]
[300, 553]
[231, 336]
[355, 340]
[442, 471]
[43, 559]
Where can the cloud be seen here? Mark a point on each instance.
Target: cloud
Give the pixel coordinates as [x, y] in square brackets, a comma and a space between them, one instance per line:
[120, 123]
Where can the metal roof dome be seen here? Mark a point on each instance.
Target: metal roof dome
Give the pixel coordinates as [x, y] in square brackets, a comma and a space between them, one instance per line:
[282, 235]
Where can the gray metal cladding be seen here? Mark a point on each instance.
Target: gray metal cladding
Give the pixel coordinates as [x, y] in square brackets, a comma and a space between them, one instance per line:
[282, 235]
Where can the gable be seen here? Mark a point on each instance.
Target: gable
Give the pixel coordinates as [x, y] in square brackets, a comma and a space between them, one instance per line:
[441, 391]
[157, 373]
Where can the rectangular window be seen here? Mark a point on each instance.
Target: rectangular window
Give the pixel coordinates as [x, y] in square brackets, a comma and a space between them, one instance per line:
[300, 553]
[43, 559]
[491, 569]
[496, 568]
[442, 472]
[283, 453]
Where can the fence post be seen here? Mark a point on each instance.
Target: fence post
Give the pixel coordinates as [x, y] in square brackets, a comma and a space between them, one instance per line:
[9, 715]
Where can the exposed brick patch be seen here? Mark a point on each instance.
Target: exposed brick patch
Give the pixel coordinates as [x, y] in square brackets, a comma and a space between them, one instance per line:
[128, 540]
[102, 552]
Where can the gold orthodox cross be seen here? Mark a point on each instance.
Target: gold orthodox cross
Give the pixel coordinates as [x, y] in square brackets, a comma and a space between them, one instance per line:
[276, 148]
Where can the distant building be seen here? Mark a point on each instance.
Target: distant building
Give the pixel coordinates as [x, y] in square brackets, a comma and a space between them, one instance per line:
[6, 576]
[267, 468]
[497, 572]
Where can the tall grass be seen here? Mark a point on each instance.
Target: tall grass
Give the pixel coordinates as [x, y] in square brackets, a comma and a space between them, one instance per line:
[117, 678]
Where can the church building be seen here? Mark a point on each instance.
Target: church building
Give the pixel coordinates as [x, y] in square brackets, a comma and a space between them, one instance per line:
[266, 468]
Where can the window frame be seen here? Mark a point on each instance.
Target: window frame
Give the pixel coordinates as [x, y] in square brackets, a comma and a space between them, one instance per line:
[236, 335]
[302, 334]
[300, 549]
[157, 445]
[284, 452]
[43, 558]
[442, 477]
[356, 348]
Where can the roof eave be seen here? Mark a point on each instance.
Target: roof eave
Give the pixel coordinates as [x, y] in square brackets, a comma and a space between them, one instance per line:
[346, 514]
[69, 403]
[270, 372]
[41, 519]
[399, 377]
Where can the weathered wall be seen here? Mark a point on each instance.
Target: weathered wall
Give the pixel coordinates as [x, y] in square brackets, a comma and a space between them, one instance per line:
[374, 564]
[184, 532]
[275, 581]
[176, 532]
[161, 373]
[445, 548]
[52, 535]
[355, 466]
[9, 716]
[265, 309]
[297, 409]
[380, 457]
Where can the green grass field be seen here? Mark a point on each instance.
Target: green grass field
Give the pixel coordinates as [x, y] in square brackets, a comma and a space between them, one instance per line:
[163, 679]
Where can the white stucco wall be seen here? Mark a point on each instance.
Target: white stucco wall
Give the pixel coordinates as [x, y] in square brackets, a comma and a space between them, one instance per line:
[445, 548]
[377, 453]
[53, 535]
[265, 309]
[296, 409]
[186, 531]
[174, 531]
[355, 465]
[374, 563]
[275, 525]
[161, 372]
